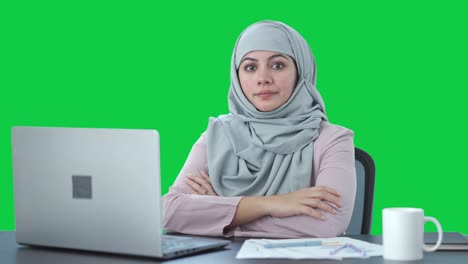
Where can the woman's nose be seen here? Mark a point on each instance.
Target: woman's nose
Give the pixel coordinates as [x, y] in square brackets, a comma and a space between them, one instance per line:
[263, 76]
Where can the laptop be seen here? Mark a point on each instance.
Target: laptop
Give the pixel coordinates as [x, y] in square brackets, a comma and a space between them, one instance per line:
[93, 189]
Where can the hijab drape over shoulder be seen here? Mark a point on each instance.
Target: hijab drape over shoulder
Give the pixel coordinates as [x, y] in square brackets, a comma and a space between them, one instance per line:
[253, 153]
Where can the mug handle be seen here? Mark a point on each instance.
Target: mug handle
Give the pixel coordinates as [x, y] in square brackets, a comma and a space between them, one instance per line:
[439, 237]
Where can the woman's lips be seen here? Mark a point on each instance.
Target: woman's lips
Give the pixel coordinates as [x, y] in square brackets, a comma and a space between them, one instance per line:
[265, 94]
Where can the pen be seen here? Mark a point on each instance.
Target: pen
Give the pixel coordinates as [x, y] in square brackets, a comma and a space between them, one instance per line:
[313, 243]
[351, 246]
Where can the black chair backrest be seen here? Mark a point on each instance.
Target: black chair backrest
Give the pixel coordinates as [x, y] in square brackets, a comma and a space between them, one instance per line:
[365, 176]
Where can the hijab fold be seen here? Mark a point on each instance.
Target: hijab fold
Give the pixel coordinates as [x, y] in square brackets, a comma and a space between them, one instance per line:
[254, 153]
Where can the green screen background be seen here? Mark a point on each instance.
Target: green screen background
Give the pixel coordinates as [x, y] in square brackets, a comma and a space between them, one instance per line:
[394, 73]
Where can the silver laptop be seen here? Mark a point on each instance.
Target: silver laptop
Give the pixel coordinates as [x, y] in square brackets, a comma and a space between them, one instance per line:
[93, 189]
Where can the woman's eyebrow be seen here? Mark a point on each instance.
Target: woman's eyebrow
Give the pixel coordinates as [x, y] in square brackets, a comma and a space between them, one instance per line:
[248, 58]
[277, 55]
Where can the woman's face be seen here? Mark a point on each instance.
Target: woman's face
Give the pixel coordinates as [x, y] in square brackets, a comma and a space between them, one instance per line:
[267, 79]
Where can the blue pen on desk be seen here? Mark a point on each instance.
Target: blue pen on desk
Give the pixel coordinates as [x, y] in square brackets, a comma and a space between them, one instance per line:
[351, 246]
[313, 243]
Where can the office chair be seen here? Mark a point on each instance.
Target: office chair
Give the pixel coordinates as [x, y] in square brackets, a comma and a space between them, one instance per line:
[365, 177]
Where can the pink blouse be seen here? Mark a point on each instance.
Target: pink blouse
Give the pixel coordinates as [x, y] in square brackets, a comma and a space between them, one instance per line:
[333, 166]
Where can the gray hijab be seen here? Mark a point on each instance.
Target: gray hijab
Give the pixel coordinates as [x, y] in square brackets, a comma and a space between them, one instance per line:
[254, 153]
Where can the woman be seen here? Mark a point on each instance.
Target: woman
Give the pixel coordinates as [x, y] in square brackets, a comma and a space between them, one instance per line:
[274, 166]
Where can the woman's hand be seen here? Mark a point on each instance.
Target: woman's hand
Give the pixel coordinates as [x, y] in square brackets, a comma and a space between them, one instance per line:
[307, 201]
[304, 201]
[200, 184]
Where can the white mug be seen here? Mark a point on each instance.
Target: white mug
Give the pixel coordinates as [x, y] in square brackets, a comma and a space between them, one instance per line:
[403, 233]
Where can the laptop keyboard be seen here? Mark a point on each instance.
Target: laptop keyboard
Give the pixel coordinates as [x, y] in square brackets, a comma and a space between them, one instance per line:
[174, 244]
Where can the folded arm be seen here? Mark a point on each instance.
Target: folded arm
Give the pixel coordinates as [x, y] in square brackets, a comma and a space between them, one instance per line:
[191, 213]
[335, 169]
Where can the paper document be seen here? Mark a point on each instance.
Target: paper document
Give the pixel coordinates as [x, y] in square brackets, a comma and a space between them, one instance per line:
[308, 248]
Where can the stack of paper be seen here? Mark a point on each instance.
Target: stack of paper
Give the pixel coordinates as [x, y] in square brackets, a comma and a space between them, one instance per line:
[309, 248]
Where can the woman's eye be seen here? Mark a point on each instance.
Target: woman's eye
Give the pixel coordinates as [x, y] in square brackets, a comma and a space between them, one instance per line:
[278, 66]
[250, 68]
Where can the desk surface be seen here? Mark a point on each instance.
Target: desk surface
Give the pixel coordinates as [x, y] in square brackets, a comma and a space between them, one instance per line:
[10, 253]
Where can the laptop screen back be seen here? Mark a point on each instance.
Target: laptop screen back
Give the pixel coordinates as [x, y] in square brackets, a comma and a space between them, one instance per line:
[91, 189]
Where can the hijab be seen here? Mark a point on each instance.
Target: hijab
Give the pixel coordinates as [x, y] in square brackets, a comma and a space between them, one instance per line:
[254, 153]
